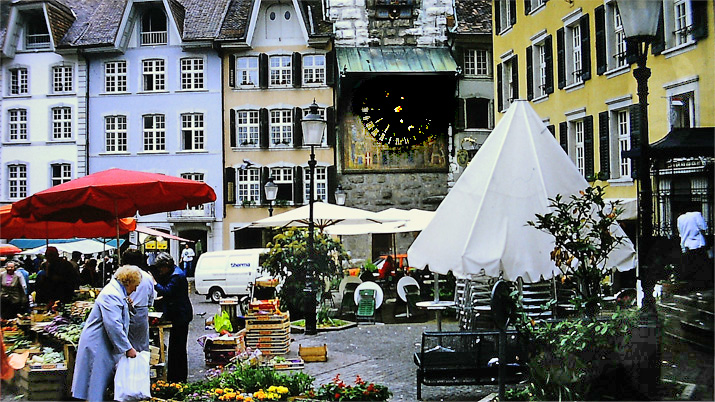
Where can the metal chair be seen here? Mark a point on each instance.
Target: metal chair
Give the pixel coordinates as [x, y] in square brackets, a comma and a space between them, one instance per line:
[366, 307]
[348, 301]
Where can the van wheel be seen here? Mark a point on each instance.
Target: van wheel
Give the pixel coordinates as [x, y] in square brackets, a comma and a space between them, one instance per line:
[216, 294]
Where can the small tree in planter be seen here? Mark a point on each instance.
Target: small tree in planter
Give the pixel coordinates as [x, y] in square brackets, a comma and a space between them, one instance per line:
[579, 358]
[582, 241]
[287, 260]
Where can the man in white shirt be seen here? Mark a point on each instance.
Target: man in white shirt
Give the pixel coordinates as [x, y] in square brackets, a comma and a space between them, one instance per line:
[694, 266]
[187, 260]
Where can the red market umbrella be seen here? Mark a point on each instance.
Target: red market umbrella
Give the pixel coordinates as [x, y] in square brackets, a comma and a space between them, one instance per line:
[14, 227]
[112, 194]
[9, 249]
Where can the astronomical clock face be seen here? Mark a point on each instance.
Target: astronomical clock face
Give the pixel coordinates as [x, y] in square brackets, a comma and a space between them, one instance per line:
[399, 114]
[392, 118]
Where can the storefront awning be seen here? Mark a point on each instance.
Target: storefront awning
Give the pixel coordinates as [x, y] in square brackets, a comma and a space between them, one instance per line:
[395, 59]
[681, 143]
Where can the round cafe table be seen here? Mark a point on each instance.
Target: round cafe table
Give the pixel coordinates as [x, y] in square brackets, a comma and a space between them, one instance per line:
[437, 306]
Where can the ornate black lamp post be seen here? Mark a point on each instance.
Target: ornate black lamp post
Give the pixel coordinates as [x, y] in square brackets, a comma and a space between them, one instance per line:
[271, 190]
[340, 195]
[313, 128]
[640, 25]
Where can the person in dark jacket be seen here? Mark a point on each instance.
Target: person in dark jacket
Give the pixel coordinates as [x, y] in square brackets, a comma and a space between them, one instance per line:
[173, 287]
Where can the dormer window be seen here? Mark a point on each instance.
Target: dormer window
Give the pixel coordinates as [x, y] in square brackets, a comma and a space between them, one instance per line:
[37, 36]
[153, 28]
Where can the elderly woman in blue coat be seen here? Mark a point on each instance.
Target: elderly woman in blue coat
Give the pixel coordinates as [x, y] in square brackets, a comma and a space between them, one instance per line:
[105, 337]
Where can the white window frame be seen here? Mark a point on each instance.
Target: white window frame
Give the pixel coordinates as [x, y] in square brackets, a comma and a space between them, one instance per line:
[615, 40]
[507, 89]
[576, 129]
[247, 71]
[61, 123]
[154, 72]
[280, 71]
[538, 62]
[321, 184]
[115, 76]
[154, 137]
[195, 176]
[17, 125]
[247, 128]
[19, 82]
[576, 59]
[536, 5]
[314, 69]
[476, 62]
[622, 123]
[684, 86]
[115, 134]
[283, 176]
[192, 73]
[60, 173]
[505, 16]
[17, 180]
[192, 124]
[63, 79]
[248, 185]
[281, 128]
[682, 22]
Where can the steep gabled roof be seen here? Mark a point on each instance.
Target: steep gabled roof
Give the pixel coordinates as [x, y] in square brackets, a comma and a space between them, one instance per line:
[235, 24]
[177, 11]
[315, 21]
[473, 16]
[203, 18]
[61, 17]
[4, 17]
[100, 25]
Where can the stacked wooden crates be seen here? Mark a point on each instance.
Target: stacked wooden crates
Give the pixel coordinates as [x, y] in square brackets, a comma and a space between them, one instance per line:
[267, 328]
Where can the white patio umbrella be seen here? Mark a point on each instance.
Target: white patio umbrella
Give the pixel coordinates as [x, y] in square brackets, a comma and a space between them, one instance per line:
[84, 246]
[481, 224]
[413, 220]
[324, 215]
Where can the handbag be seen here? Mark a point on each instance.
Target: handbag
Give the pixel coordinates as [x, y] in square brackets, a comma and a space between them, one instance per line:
[132, 378]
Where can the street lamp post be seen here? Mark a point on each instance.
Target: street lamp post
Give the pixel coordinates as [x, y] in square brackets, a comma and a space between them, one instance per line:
[340, 195]
[271, 190]
[313, 128]
[640, 26]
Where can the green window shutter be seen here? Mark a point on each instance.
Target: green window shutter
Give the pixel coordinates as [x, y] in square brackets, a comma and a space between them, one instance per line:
[297, 127]
[604, 145]
[497, 16]
[330, 68]
[527, 7]
[232, 128]
[529, 72]
[700, 18]
[265, 172]
[561, 58]
[460, 121]
[549, 53]
[585, 48]
[564, 136]
[658, 44]
[298, 185]
[330, 130]
[512, 12]
[297, 64]
[263, 128]
[332, 183]
[552, 129]
[229, 185]
[588, 148]
[263, 71]
[515, 76]
[601, 60]
[500, 92]
[232, 71]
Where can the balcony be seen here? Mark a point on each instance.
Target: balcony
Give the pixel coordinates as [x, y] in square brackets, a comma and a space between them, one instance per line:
[202, 213]
[37, 41]
[154, 38]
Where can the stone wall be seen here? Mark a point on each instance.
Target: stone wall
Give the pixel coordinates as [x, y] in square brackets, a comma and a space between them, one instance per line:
[379, 191]
[355, 24]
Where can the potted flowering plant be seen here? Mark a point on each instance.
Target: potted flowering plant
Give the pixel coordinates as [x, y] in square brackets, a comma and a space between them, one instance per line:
[337, 390]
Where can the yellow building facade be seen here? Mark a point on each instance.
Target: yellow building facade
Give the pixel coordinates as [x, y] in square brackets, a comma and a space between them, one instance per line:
[276, 63]
[569, 58]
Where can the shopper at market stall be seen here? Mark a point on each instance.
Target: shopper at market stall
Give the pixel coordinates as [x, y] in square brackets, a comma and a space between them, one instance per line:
[56, 280]
[143, 298]
[12, 292]
[105, 337]
[89, 275]
[174, 289]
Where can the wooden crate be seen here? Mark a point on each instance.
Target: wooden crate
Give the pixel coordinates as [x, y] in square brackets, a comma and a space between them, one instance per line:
[42, 385]
[313, 353]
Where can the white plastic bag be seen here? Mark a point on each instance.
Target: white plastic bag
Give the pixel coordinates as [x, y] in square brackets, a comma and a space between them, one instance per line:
[132, 379]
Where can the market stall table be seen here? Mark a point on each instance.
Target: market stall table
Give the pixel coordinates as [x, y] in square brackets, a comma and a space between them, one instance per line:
[437, 306]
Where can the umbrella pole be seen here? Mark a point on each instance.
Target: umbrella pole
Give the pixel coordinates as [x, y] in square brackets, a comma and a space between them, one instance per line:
[119, 251]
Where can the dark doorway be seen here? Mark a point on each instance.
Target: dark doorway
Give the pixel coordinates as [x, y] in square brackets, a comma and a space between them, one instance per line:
[248, 238]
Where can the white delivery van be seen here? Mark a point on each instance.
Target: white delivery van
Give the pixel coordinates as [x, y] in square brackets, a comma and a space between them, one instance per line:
[227, 273]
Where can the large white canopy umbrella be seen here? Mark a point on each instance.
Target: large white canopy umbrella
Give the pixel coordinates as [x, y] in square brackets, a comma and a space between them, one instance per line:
[84, 246]
[481, 224]
[324, 215]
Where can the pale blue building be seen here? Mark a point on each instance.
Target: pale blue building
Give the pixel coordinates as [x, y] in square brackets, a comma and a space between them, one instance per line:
[154, 90]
